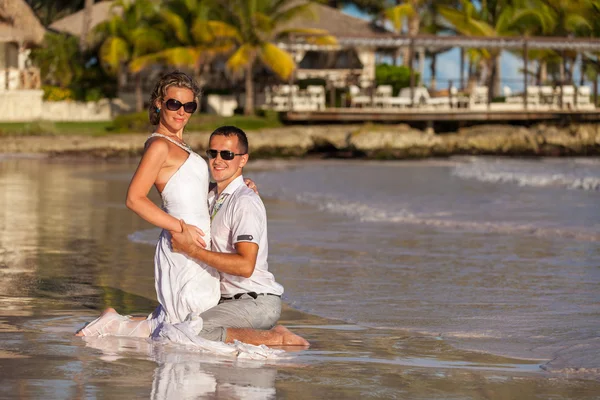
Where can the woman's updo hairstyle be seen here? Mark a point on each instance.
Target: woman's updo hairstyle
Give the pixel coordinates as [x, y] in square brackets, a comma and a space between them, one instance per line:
[175, 78]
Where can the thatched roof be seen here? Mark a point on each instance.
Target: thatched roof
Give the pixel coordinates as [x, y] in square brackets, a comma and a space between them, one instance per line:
[339, 24]
[73, 23]
[327, 18]
[18, 23]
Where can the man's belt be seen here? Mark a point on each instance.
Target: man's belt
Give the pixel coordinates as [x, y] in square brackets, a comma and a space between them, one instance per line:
[254, 295]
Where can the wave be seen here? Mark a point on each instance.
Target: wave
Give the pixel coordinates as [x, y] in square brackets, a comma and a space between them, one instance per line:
[527, 175]
[374, 213]
[146, 236]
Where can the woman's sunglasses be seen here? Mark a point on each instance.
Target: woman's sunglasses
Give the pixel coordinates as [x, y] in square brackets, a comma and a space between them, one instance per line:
[225, 154]
[174, 105]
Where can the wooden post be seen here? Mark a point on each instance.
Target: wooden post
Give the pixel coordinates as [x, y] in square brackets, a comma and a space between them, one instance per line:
[291, 92]
[462, 68]
[562, 82]
[450, 95]
[331, 95]
[491, 84]
[411, 58]
[596, 91]
[526, 63]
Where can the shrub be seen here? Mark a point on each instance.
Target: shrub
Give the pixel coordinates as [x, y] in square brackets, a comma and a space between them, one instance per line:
[397, 77]
[55, 93]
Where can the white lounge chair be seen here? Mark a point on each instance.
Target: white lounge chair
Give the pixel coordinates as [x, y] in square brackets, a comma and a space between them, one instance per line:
[358, 99]
[382, 93]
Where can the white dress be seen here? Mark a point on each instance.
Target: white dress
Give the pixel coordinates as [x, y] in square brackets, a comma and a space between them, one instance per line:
[183, 285]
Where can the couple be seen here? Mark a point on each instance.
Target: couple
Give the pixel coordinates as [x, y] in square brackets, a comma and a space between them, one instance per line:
[229, 290]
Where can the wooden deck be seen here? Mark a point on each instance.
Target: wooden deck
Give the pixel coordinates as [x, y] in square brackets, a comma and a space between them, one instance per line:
[445, 115]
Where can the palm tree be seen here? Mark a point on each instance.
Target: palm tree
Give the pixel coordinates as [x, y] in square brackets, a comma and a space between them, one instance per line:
[58, 59]
[569, 18]
[194, 39]
[254, 25]
[128, 35]
[409, 11]
[493, 18]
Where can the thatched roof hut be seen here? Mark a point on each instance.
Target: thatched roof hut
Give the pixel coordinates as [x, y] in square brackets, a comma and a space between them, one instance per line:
[18, 23]
[338, 24]
[73, 23]
[327, 18]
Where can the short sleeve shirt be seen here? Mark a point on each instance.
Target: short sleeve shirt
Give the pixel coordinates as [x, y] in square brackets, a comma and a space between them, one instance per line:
[239, 215]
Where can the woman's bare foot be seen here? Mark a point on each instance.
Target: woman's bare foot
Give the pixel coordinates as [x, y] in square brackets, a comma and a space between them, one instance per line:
[106, 316]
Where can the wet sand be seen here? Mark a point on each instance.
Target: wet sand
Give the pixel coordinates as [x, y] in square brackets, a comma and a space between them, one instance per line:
[65, 255]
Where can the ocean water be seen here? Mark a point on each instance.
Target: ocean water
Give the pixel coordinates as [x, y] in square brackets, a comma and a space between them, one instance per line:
[497, 255]
[462, 277]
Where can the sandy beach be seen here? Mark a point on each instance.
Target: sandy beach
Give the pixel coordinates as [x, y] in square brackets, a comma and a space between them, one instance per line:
[408, 291]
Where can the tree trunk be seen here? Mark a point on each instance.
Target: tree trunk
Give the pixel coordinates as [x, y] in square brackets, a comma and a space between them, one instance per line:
[433, 66]
[414, 25]
[249, 106]
[543, 72]
[139, 99]
[497, 76]
[87, 21]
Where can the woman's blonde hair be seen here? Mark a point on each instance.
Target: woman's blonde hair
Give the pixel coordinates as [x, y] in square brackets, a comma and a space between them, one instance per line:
[174, 78]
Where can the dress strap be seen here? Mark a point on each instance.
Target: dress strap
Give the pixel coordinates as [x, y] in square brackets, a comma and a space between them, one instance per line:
[181, 145]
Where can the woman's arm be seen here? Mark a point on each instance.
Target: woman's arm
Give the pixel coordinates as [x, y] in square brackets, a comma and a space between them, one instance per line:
[145, 176]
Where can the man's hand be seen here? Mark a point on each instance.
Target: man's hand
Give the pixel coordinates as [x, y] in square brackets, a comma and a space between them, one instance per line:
[250, 183]
[190, 236]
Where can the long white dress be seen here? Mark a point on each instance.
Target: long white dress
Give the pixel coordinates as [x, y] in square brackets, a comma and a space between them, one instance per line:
[185, 288]
[183, 285]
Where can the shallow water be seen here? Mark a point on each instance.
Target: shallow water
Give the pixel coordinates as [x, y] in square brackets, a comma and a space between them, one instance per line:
[463, 278]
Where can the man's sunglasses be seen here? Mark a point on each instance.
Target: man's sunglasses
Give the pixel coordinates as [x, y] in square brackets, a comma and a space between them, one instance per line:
[225, 154]
[174, 105]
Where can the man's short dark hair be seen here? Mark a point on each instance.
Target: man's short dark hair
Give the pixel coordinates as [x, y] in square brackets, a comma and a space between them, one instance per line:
[229, 130]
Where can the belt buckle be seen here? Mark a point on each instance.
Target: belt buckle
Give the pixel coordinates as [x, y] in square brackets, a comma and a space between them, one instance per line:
[254, 295]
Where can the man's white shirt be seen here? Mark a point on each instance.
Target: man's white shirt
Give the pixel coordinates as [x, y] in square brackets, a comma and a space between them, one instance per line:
[241, 217]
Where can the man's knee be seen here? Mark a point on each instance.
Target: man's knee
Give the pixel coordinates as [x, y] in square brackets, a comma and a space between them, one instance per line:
[217, 334]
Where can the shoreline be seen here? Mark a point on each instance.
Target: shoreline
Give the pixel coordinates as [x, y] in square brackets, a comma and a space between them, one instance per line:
[375, 142]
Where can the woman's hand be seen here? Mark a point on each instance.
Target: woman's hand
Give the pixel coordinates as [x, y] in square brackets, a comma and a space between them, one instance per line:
[250, 183]
[190, 236]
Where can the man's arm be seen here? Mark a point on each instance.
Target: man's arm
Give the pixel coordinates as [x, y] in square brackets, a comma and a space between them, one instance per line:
[241, 263]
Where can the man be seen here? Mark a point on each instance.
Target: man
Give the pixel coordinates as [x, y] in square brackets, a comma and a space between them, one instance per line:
[250, 297]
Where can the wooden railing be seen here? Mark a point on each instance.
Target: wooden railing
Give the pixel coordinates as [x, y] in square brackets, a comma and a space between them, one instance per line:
[19, 79]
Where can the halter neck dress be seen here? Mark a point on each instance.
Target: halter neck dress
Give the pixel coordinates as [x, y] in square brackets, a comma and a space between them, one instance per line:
[184, 286]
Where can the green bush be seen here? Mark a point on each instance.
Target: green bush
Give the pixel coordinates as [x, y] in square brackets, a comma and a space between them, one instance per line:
[396, 76]
[131, 123]
[94, 94]
[55, 93]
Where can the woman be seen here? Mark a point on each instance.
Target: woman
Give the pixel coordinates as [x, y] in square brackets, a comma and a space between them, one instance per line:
[183, 286]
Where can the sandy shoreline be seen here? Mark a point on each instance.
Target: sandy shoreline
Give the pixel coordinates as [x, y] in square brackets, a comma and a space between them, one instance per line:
[344, 141]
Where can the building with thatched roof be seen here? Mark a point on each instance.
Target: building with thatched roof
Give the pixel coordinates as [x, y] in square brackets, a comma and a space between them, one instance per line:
[340, 64]
[335, 66]
[20, 29]
[73, 23]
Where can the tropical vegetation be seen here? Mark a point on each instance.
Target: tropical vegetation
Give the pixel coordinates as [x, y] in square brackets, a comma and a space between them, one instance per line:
[242, 36]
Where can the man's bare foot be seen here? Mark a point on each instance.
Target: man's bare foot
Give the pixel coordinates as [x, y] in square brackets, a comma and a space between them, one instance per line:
[108, 314]
[288, 338]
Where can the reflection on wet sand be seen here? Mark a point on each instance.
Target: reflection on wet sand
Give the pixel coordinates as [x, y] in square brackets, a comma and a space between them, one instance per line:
[182, 373]
[67, 255]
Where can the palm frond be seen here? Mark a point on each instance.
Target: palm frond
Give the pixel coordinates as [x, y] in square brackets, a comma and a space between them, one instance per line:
[396, 15]
[279, 61]
[239, 60]
[113, 52]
